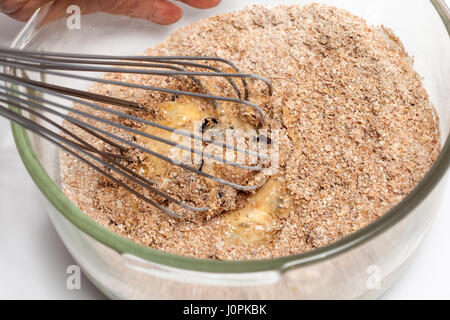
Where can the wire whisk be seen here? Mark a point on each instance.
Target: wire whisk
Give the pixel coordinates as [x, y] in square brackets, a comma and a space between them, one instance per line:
[64, 65]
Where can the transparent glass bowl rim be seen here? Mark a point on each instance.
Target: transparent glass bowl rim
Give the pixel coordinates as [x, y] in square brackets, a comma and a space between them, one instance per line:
[122, 245]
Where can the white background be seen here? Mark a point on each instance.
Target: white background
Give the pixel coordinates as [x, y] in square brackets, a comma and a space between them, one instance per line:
[33, 261]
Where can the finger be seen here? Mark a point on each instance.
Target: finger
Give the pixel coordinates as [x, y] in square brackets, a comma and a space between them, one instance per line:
[202, 4]
[22, 10]
[11, 6]
[166, 13]
[158, 11]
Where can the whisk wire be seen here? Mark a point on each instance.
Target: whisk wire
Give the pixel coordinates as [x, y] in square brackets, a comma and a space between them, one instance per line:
[169, 66]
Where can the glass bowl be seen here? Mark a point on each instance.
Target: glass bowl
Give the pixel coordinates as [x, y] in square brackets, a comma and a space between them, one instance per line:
[362, 265]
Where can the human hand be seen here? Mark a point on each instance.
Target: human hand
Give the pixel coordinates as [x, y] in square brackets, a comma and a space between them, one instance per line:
[159, 11]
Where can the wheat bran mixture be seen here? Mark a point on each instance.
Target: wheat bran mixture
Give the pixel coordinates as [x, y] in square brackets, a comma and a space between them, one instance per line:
[357, 133]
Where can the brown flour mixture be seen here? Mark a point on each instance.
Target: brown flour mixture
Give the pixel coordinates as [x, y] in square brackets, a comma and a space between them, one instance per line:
[357, 133]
